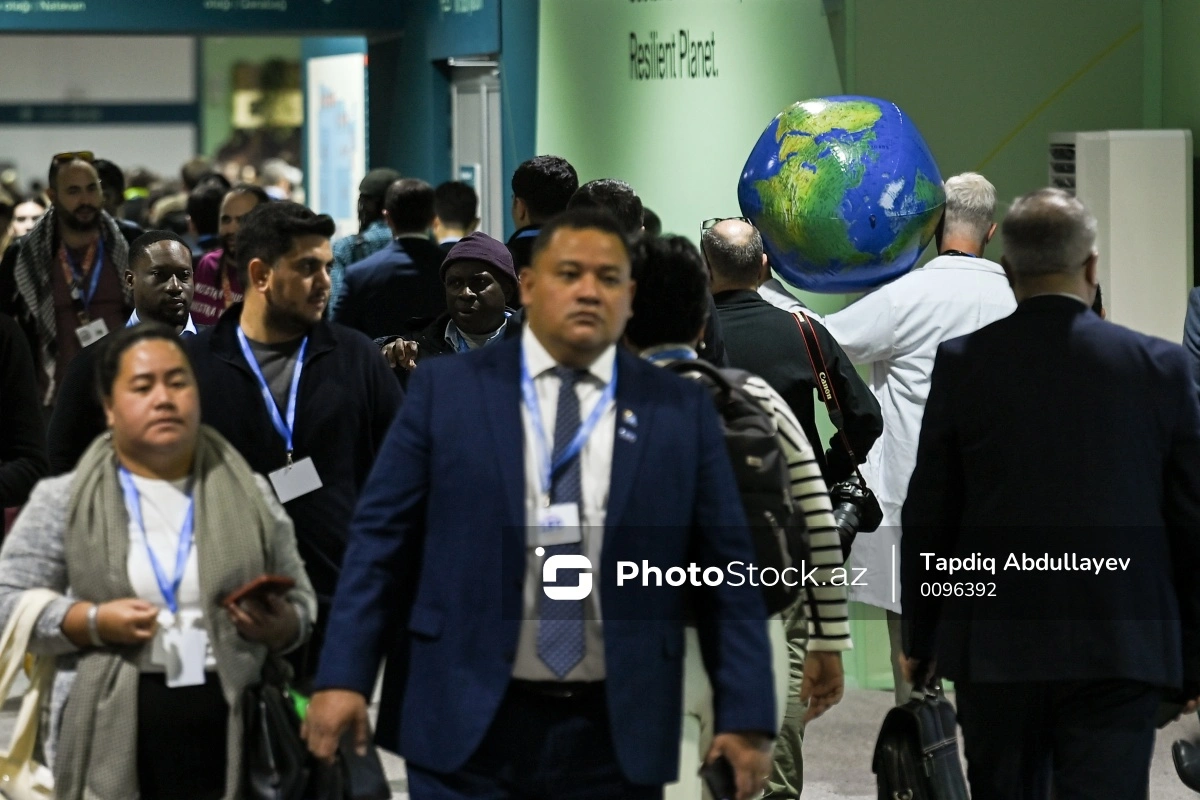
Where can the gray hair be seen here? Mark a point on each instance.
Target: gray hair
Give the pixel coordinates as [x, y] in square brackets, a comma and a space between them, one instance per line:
[1046, 232]
[970, 205]
[738, 260]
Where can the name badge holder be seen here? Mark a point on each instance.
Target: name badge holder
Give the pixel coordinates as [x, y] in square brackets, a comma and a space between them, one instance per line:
[560, 523]
[89, 330]
[298, 478]
[181, 646]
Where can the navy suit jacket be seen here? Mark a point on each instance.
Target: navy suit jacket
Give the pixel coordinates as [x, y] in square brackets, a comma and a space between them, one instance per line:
[385, 290]
[1055, 432]
[435, 567]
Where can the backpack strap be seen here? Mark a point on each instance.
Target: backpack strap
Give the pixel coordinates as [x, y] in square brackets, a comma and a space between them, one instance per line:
[713, 376]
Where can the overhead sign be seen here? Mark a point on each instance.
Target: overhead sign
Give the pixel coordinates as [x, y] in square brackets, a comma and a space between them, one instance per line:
[199, 16]
[458, 28]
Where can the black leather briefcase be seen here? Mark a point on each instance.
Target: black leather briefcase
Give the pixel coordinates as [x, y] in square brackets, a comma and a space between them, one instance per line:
[916, 754]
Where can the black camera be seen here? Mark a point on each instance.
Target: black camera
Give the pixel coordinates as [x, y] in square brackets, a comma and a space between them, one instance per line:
[855, 508]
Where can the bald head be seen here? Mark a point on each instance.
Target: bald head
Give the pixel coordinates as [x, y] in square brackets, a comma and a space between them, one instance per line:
[1048, 232]
[734, 250]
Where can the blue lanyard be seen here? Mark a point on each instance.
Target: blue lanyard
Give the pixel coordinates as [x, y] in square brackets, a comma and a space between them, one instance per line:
[284, 427]
[673, 354]
[549, 468]
[528, 234]
[77, 272]
[133, 502]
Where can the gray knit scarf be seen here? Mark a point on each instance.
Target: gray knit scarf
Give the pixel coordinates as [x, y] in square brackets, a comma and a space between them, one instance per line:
[97, 746]
[37, 256]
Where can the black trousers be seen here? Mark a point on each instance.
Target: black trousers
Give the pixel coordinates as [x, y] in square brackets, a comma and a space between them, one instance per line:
[182, 735]
[1087, 739]
[538, 748]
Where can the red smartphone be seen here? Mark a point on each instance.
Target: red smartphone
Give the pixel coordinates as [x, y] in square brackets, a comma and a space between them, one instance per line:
[259, 588]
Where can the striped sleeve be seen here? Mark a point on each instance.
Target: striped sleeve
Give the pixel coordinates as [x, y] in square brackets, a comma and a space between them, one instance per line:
[829, 622]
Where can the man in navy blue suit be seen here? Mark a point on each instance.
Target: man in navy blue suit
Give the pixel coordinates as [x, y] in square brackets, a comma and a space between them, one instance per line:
[483, 561]
[1066, 450]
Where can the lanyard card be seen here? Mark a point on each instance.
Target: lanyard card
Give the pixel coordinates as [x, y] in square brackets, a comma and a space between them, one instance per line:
[186, 646]
[295, 480]
[94, 331]
[558, 524]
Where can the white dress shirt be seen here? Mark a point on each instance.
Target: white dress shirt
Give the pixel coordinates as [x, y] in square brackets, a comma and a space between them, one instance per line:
[596, 472]
[896, 329]
[189, 326]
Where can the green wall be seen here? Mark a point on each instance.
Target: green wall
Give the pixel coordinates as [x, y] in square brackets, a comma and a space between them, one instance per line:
[1181, 64]
[680, 141]
[218, 55]
[986, 82]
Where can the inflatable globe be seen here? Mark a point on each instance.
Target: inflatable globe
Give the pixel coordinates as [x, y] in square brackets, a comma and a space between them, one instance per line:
[844, 191]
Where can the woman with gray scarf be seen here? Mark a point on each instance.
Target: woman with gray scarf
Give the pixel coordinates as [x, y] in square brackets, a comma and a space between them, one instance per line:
[160, 521]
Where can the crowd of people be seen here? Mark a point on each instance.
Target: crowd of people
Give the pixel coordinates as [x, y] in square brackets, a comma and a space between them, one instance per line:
[414, 429]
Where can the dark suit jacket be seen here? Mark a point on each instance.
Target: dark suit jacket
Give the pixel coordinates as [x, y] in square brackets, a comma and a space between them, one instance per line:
[1052, 432]
[435, 566]
[389, 287]
[765, 340]
[1191, 333]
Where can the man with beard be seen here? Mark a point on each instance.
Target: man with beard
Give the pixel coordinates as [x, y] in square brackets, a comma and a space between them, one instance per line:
[62, 281]
[160, 279]
[218, 285]
[307, 403]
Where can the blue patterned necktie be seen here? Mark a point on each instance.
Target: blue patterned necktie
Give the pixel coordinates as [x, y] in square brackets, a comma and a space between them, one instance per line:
[560, 641]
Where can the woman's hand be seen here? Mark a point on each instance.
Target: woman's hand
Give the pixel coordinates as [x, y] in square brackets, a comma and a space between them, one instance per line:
[126, 621]
[271, 621]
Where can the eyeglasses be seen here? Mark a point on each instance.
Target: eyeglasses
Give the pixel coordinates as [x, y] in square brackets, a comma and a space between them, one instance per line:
[82, 155]
[708, 223]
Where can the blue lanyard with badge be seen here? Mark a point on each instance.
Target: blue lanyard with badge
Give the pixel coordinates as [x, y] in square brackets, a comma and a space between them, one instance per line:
[181, 645]
[89, 330]
[559, 523]
[294, 478]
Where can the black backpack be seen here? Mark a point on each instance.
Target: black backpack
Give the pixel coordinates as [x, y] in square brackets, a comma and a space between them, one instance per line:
[778, 528]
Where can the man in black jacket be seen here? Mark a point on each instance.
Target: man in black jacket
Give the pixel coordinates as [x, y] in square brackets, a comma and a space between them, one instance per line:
[541, 188]
[765, 340]
[306, 402]
[160, 280]
[1053, 439]
[385, 290]
[480, 283]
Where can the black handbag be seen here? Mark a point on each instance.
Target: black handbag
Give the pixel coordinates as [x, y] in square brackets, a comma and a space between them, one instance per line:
[276, 760]
[916, 754]
[351, 776]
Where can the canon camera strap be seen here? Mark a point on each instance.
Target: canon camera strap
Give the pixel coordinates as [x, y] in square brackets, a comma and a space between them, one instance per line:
[820, 371]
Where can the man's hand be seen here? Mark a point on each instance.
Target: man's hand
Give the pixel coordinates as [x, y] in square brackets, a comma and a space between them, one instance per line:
[919, 672]
[750, 756]
[330, 714]
[823, 682]
[401, 353]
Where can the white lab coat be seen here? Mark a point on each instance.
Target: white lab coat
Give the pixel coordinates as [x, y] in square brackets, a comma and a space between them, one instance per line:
[896, 330]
